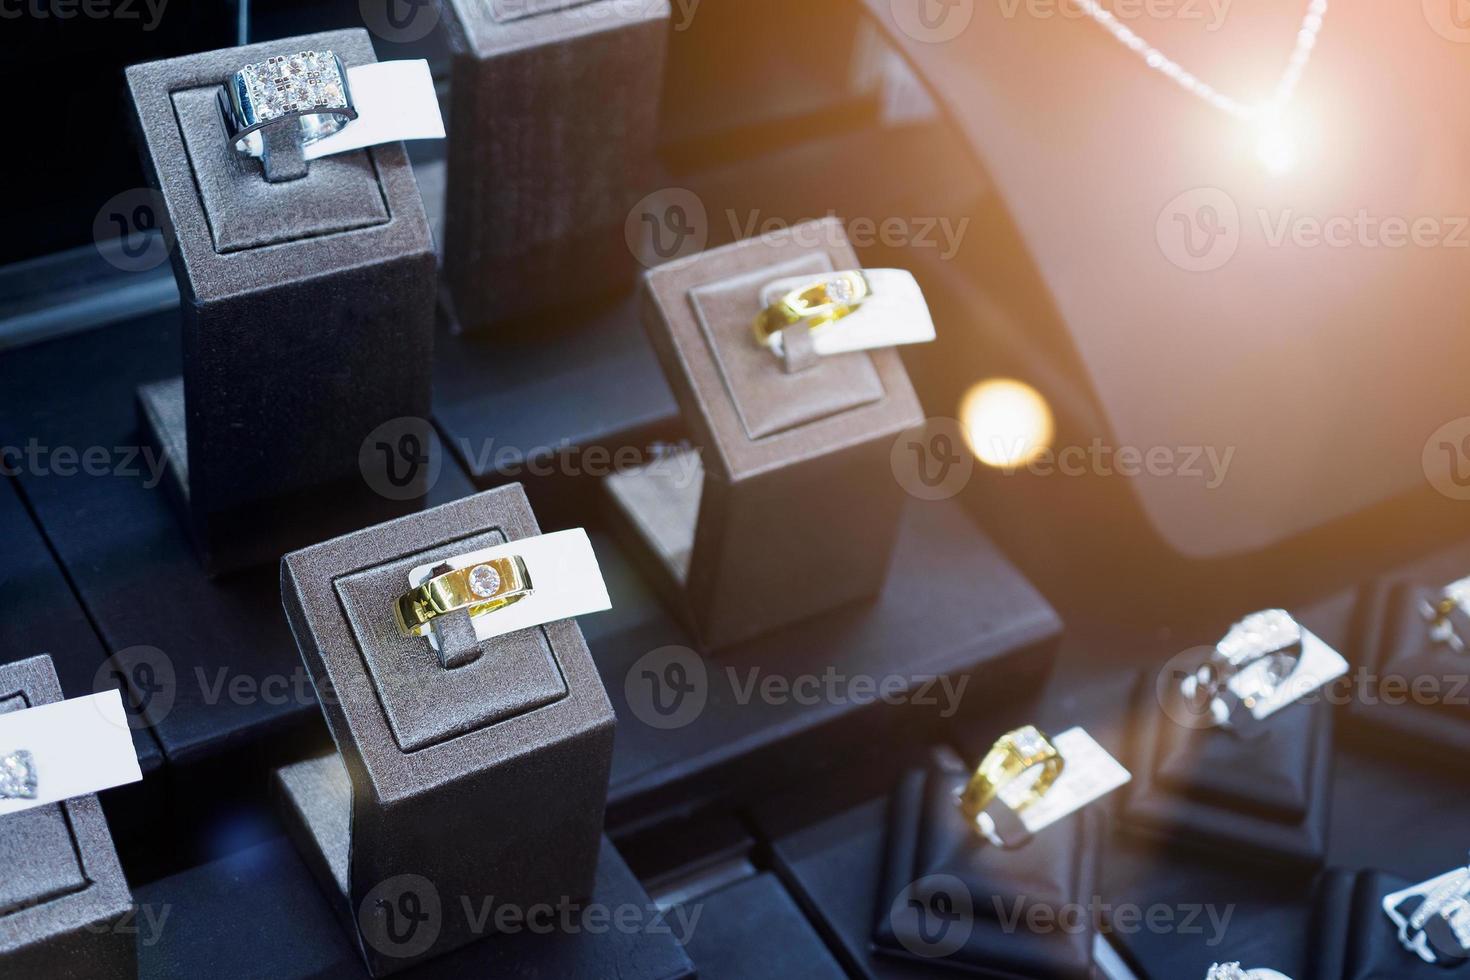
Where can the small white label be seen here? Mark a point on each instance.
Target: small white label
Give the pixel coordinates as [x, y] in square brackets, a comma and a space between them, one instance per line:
[395, 101]
[565, 578]
[1090, 774]
[896, 313]
[77, 748]
[1319, 666]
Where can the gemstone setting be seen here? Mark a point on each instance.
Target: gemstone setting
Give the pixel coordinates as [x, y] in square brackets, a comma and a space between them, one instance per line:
[484, 581]
[310, 81]
[18, 780]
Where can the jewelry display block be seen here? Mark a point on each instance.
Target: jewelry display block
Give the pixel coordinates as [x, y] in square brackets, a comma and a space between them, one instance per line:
[1407, 685]
[1356, 940]
[793, 508]
[293, 935]
[63, 897]
[308, 312]
[935, 862]
[486, 779]
[542, 171]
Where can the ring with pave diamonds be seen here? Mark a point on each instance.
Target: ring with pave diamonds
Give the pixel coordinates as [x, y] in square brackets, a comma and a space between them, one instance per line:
[819, 303]
[1449, 615]
[308, 89]
[1014, 755]
[1233, 971]
[479, 589]
[18, 778]
[1439, 928]
[1270, 637]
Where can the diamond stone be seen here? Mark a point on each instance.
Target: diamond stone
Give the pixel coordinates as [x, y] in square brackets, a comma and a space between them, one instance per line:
[1227, 971]
[283, 85]
[840, 290]
[18, 776]
[484, 581]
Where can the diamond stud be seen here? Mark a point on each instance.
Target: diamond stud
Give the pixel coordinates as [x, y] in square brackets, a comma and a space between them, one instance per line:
[484, 581]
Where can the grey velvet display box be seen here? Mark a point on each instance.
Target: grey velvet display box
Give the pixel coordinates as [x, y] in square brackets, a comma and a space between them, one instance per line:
[553, 127]
[308, 312]
[64, 903]
[487, 779]
[793, 508]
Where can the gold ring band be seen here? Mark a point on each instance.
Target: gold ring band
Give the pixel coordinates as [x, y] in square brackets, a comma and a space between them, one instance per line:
[1013, 755]
[818, 303]
[479, 589]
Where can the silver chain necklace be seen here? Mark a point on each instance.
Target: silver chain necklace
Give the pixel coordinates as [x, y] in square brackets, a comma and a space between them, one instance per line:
[1274, 146]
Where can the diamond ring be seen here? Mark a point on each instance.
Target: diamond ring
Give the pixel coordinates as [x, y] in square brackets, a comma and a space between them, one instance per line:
[1449, 615]
[479, 589]
[307, 89]
[18, 779]
[1263, 650]
[1015, 757]
[818, 304]
[1233, 971]
[1438, 929]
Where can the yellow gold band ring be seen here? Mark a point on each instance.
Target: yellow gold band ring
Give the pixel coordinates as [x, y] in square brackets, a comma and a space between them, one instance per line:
[819, 303]
[1013, 755]
[479, 589]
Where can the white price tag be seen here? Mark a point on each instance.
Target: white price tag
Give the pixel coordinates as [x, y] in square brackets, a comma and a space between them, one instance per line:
[565, 578]
[1090, 774]
[1319, 666]
[395, 101]
[76, 748]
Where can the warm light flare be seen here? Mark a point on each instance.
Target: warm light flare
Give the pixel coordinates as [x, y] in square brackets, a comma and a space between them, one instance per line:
[1007, 423]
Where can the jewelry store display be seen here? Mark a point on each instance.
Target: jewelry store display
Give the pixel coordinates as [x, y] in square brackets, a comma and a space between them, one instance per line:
[1449, 615]
[18, 778]
[1233, 971]
[1438, 929]
[1273, 143]
[818, 304]
[1271, 638]
[478, 590]
[309, 87]
[1015, 755]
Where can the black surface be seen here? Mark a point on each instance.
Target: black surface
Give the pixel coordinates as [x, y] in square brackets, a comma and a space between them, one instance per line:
[753, 929]
[236, 675]
[258, 915]
[953, 606]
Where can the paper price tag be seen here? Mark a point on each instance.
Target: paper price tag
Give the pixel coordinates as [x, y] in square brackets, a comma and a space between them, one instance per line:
[77, 747]
[1090, 774]
[1319, 666]
[395, 101]
[565, 577]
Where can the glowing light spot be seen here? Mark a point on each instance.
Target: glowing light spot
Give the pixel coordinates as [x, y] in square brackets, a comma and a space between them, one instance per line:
[1007, 423]
[1276, 145]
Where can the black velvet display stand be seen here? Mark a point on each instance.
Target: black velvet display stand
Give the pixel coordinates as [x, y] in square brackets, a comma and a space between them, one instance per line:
[1408, 686]
[64, 902]
[487, 778]
[308, 317]
[1265, 798]
[1355, 940]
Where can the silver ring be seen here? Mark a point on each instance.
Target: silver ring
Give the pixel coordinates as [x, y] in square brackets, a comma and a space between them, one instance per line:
[1233, 971]
[1270, 636]
[18, 778]
[1450, 901]
[309, 88]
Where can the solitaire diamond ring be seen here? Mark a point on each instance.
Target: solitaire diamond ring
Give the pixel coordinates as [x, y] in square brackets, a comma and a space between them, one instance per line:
[1268, 644]
[818, 304]
[18, 779]
[1449, 615]
[479, 589]
[1023, 754]
[308, 90]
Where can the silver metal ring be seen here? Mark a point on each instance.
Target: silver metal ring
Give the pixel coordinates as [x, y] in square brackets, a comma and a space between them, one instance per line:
[309, 88]
[1449, 615]
[1233, 971]
[18, 777]
[1449, 900]
[1271, 636]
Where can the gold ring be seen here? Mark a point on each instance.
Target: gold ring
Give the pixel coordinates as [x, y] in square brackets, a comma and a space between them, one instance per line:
[1013, 755]
[479, 589]
[818, 304]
